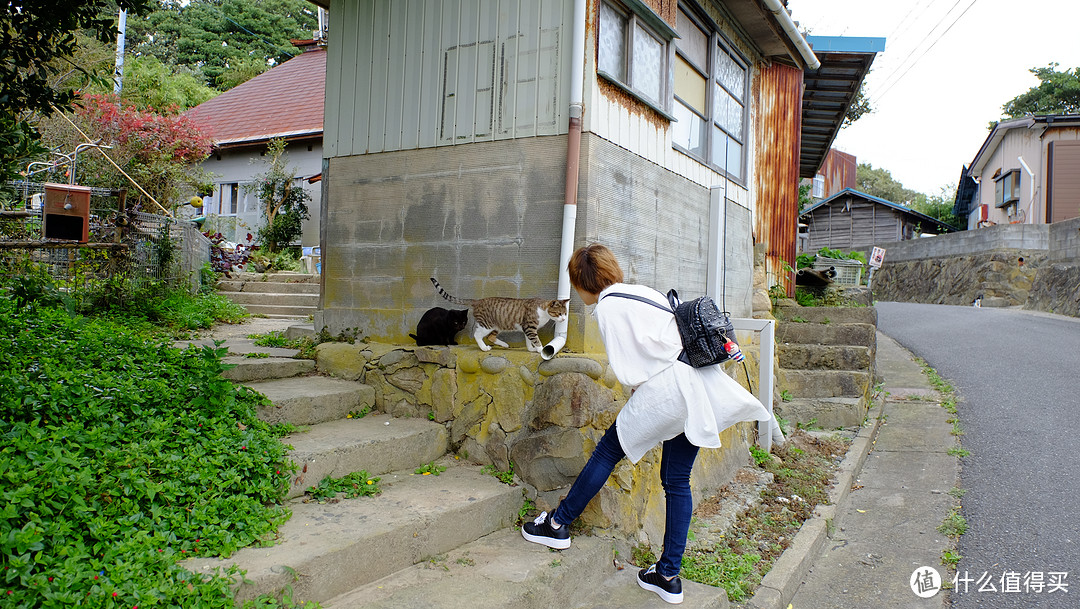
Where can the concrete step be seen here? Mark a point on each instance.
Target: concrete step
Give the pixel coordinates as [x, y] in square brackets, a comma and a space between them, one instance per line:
[828, 315]
[271, 310]
[308, 400]
[282, 299]
[275, 277]
[863, 335]
[826, 413]
[823, 357]
[376, 444]
[325, 550]
[276, 287]
[621, 591]
[257, 369]
[824, 383]
[503, 570]
[498, 571]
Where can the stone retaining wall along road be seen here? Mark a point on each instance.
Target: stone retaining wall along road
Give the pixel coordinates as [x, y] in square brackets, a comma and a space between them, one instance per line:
[1031, 266]
[545, 417]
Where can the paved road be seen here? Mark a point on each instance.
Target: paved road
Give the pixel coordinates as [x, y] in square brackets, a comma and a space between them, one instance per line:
[1018, 376]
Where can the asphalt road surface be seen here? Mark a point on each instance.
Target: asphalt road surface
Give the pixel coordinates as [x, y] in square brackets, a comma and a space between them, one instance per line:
[1017, 374]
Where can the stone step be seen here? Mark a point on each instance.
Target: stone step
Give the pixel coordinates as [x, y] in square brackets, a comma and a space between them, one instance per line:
[376, 444]
[826, 413]
[281, 311]
[503, 570]
[498, 571]
[828, 315]
[823, 357]
[258, 369]
[290, 300]
[276, 287]
[276, 277]
[863, 335]
[325, 550]
[308, 400]
[824, 383]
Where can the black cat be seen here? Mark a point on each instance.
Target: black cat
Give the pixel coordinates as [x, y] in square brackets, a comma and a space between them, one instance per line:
[439, 326]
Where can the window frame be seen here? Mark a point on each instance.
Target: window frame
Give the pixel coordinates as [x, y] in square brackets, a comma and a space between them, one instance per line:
[1008, 178]
[233, 201]
[717, 42]
[634, 19]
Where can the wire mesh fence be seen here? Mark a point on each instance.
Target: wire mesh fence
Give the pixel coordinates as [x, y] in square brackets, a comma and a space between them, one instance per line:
[126, 250]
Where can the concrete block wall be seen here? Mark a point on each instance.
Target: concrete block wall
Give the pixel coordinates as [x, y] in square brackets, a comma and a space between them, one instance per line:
[1064, 241]
[1001, 237]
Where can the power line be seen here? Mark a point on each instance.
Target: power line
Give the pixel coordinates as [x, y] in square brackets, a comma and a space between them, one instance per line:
[936, 40]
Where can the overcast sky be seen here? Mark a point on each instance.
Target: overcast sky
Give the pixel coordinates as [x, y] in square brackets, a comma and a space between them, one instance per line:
[947, 69]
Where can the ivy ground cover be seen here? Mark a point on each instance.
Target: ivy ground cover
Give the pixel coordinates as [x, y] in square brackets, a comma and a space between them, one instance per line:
[121, 456]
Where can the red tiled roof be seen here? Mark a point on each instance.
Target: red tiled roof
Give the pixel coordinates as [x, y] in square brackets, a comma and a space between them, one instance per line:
[284, 101]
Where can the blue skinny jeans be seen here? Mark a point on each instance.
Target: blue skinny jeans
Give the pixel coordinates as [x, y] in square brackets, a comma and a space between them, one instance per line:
[675, 464]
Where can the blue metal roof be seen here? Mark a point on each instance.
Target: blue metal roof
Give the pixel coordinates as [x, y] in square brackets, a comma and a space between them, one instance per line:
[872, 198]
[846, 44]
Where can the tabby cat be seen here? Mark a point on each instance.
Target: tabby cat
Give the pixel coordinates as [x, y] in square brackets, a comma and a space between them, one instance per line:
[496, 314]
[439, 326]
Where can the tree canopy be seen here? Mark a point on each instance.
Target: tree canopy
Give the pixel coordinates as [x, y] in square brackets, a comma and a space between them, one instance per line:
[1056, 93]
[224, 41]
[880, 183]
[34, 34]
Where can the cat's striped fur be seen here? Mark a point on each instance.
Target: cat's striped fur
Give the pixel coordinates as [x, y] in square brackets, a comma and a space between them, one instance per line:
[498, 314]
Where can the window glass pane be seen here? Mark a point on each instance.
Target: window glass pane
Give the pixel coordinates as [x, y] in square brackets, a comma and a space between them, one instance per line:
[612, 49]
[648, 60]
[689, 131]
[723, 147]
[730, 73]
[692, 42]
[690, 85]
[734, 158]
[728, 112]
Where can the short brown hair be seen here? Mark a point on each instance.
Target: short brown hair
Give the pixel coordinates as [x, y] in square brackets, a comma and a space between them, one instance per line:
[593, 268]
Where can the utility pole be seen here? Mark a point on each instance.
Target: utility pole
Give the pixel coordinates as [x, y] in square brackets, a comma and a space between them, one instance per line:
[118, 73]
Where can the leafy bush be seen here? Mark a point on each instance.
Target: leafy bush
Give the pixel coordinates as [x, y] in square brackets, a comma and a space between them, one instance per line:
[121, 456]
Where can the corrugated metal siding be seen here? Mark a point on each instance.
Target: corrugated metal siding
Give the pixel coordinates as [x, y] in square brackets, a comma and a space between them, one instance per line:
[776, 161]
[839, 170]
[408, 74]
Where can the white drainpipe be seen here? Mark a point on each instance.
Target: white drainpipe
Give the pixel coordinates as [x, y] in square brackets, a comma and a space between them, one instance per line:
[573, 154]
[778, 10]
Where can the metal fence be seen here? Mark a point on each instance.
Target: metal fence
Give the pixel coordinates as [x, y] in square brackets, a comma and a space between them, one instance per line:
[125, 245]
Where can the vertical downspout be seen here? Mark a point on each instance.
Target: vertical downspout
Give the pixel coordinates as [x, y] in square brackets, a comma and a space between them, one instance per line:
[573, 153]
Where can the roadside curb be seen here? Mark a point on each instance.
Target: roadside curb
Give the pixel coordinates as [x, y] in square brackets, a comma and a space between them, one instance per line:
[779, 585]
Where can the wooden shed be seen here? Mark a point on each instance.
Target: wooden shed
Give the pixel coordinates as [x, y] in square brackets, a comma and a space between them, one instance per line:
[852, 220]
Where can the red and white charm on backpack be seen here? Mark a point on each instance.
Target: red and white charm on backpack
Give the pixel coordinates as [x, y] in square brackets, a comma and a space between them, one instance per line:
[733, 351]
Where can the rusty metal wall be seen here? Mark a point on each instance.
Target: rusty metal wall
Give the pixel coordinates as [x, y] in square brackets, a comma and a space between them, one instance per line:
[776, 159]
[839, 170]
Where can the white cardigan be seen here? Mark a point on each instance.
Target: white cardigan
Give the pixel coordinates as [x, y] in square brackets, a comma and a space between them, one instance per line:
[669, 397]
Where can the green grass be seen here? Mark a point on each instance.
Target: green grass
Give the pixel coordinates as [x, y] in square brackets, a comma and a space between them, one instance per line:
[123, 456]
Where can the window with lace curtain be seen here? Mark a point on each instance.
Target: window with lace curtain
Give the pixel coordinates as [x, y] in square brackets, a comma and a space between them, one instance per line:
[710, 91]
[633, 53]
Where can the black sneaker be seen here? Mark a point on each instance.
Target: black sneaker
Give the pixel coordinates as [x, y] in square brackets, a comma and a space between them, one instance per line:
[669, 591]
[540, 531]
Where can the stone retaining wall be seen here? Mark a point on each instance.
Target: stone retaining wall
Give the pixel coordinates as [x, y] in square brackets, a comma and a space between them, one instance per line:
[508, 406]
[1036, 267]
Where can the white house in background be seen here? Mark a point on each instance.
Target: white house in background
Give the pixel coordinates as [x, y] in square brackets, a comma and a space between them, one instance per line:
[1027, 172]
[283, 102]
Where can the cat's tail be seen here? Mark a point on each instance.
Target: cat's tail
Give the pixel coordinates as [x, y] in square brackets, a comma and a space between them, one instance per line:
[447, 296]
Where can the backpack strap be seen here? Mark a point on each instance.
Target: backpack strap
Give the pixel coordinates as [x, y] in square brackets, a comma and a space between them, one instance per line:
[683, 357]
[640, 298]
